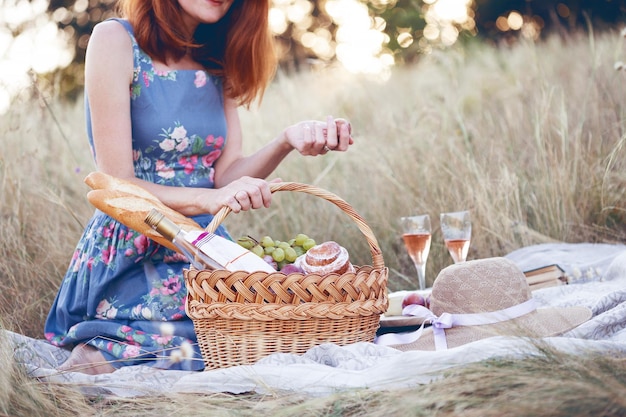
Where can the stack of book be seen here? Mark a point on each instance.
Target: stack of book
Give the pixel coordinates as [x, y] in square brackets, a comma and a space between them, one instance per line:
[545, 276]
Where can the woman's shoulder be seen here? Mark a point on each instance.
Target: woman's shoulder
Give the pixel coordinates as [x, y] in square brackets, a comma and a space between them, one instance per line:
[112, 27]
[110, 35]
[110, 43]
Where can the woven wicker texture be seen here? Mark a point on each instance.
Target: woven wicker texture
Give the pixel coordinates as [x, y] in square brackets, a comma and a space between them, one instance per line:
[240, 317]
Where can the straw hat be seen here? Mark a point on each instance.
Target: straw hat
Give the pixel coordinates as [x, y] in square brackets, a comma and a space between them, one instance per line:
[477, 299]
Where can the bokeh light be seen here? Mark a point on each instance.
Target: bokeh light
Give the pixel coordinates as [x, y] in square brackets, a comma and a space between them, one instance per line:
[528, 26]
[359, 39]
[358, 43]
[443, 19]
[40, 46]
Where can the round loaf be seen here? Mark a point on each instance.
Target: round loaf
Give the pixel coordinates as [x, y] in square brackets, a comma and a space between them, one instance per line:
[325, 258]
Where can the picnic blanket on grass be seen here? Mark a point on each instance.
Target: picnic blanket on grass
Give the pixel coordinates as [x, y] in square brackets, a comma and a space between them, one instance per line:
[597, 274]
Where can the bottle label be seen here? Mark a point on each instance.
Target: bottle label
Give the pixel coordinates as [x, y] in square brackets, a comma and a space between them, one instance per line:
[228, 253]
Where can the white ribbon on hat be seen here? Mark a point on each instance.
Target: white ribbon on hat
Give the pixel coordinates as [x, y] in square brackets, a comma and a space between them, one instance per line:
[447, 321]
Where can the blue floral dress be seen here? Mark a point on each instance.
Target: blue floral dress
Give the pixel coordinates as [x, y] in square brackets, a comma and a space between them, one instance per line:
[123, 293]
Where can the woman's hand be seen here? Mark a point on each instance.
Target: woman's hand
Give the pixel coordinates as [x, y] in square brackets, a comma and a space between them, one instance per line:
[243, 194]
[314, 137]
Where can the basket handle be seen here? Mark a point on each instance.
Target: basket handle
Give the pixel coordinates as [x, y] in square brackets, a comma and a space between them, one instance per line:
[377, 256]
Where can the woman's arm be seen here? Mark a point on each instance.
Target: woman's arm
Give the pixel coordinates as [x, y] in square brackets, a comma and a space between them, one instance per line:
[309, 137]
[108, 74]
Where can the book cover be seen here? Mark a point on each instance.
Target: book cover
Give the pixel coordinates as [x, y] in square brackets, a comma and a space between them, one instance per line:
[546, 276]
[551, 283]
[544, 273]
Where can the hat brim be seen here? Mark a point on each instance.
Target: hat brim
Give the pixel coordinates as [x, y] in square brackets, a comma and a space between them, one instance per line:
[543, 322]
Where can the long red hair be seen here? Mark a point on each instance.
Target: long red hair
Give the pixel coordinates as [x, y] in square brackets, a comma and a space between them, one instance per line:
[239, 48]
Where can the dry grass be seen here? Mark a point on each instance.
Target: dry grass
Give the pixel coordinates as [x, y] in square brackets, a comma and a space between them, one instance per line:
[551, 384]
[530, 139]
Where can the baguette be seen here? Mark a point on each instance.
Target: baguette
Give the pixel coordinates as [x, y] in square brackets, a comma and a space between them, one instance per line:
[100, 181]
[130, 204]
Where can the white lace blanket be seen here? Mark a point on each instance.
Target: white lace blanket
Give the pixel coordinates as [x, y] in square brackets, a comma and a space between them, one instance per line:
[598, 280]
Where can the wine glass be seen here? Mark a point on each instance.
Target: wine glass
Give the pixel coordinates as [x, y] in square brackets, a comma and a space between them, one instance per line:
[457, 232]
[416, 233]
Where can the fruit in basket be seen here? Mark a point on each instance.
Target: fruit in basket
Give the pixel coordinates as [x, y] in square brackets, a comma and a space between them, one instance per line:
[267, 242]
[258, 250]
[271, 261]
[300, 239]
[279, 254]
[247, 242]
[290, 269]
[290, 254]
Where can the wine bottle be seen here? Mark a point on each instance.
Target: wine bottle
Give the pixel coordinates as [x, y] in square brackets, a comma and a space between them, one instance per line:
[207, 250]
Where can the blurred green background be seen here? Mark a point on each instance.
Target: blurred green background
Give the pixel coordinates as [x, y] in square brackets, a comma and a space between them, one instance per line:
[47, 38]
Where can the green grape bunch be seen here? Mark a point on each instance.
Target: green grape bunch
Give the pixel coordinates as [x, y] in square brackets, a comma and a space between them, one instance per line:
[278, 253]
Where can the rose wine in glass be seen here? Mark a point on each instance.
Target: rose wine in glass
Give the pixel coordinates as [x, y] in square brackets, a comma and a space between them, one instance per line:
[416, 233]
[458, 249]
[456, 228]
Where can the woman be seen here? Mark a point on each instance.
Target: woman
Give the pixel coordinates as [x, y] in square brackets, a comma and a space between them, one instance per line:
[162, 90]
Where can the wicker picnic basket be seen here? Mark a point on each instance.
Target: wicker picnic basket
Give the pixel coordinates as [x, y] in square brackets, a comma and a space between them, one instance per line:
[240, 317]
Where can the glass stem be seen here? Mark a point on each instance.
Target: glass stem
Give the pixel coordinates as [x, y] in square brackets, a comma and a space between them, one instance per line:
[421, 275]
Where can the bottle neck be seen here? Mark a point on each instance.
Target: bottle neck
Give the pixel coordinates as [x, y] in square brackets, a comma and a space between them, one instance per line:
[167, 228]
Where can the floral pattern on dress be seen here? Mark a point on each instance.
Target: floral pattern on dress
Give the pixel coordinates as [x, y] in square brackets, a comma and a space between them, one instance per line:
[200, 79]
[144, 70]
[110, 239]
[181, 158]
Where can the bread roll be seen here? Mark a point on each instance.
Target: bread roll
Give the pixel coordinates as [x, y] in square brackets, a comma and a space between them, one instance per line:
[325, 258]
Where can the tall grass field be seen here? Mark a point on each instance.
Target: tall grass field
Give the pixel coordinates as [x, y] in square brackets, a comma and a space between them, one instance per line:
[529, 138]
